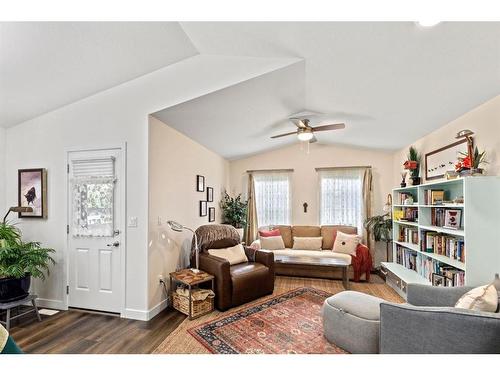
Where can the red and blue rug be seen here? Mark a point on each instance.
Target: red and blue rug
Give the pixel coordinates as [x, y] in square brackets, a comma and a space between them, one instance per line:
[287, 324]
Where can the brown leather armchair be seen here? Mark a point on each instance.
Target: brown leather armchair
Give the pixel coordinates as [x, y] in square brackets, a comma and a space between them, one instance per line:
[239, 283]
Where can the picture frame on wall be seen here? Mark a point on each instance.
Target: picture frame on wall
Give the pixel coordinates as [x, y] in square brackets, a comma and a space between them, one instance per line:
[203, 208]
[442, 160]
[200, 183]
[32, 192]
[211, 214]
[210, 194]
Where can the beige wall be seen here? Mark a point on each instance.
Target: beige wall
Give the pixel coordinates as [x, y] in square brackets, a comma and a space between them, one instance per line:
[305, 178]
[484, 121]
[174, 162]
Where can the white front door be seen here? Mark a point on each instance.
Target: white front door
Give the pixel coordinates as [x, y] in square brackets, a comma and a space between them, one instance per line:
[94, 229]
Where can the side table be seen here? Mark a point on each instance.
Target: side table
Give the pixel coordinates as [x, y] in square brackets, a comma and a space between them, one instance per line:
[192, 280]
[10, 305]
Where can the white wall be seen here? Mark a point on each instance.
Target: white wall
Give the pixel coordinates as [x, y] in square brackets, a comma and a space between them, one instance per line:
[113, 116]
[483, 120]
[174, 162]
[305, 178]
[2, 172]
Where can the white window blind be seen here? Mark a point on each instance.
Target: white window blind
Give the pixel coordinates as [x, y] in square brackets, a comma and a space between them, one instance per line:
[93, 182]
[273, 198]
[341, 197]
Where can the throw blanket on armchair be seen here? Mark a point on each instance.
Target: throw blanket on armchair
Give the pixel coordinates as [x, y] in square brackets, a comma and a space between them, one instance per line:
[362, 263]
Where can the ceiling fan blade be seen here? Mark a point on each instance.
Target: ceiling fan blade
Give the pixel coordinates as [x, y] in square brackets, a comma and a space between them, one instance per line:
[283, 135]
[313, 139]
[298, 122]
[329, 127]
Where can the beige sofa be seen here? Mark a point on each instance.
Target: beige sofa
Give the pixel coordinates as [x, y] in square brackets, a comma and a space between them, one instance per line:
[328, 232]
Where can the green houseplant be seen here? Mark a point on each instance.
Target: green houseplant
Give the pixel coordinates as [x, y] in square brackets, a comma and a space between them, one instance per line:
[381, 228]
[19, 261]
[234, 211]
[413, 165]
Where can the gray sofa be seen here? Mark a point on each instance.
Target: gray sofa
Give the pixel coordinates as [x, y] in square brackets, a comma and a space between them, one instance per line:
[430, 324]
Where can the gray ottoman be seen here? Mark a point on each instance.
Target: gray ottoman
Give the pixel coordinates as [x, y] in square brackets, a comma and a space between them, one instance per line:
[351, 320]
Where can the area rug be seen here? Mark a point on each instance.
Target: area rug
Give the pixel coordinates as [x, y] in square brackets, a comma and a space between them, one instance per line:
[288, 324]
[180, 341]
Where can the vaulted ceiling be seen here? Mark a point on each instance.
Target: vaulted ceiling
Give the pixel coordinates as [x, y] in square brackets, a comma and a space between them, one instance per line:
[390, 82]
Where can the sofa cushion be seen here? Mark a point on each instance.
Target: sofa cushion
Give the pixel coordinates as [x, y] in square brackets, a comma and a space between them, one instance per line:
[269, 233]
[313, 254]
[483, 298]
[234, 255]
[307, 243]
[305, 231]
[346, 243]
[272, 243]
[286, 234]
[329, 233]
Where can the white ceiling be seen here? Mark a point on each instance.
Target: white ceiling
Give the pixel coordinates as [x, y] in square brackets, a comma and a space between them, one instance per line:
[44, 66]
[391, 83]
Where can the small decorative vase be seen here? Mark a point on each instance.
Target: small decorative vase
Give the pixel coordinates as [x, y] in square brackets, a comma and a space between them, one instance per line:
[471, 172]
[415, 181]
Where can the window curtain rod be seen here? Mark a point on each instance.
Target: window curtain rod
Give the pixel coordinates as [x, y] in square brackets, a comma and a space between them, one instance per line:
[333, 168]
[269, 170]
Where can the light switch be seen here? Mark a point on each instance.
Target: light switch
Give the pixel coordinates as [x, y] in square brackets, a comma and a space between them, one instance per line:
[132, 222]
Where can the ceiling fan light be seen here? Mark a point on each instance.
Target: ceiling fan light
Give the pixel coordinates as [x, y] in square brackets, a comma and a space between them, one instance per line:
[305, 136]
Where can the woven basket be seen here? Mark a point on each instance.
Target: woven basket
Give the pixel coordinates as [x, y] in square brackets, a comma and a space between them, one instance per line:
[181, 303]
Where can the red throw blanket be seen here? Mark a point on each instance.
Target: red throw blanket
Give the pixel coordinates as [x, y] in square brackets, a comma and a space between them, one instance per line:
[362, 263]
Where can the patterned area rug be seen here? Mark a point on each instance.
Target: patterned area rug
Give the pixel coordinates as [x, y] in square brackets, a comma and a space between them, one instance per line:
[180, 341]
[287, 324]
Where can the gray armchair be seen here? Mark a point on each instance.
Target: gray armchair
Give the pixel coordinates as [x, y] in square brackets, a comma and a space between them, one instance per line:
[430, 324]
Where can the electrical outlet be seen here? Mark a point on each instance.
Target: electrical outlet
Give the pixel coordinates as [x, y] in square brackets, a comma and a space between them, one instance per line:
[159, 220]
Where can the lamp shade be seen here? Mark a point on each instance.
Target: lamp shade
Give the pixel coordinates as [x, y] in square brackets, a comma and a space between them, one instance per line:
[174, 225]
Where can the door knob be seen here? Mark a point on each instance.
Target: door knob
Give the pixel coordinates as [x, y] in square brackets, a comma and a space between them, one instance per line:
[114, 244]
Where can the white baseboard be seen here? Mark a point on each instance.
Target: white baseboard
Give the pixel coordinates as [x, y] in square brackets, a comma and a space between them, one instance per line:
[145, 315]
[51, 304]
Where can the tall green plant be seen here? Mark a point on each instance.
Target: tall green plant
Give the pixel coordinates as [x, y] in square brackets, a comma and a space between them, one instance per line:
[380, 226]
[234, 210]
[413, 155]
[18, 258]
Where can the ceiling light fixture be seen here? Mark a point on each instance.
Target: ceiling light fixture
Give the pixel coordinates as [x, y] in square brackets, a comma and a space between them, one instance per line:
[305, 135]
[428, 23]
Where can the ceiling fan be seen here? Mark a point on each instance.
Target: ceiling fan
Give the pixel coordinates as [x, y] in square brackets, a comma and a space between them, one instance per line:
[305, 132]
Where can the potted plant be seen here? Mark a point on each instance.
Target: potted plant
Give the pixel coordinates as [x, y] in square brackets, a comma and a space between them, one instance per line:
[413, 165]
[234, 211]
[19, 261]
[381, 228]
[470, 165]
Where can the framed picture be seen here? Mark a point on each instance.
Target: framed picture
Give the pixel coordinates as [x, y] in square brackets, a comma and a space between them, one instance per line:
[200, 183]
[32, 192]
[452, 218]
[211, 214]
[439, 161]
[448, 281]
[203, 208]
[438, 280]
[210, 194]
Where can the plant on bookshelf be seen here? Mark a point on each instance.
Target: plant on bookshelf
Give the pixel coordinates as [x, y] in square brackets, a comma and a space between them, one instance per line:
[413, 165]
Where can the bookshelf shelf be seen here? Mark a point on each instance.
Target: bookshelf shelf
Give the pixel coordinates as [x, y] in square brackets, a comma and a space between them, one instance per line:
[478, 238]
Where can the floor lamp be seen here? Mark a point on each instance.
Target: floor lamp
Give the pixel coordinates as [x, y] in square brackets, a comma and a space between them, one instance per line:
[17, 209]
[177, 227]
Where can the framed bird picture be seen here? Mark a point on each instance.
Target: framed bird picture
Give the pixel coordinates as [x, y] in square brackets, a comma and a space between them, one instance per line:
[32, 192]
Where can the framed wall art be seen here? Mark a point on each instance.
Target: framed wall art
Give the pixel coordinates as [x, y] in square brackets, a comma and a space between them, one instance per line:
[211, 214]
[203, 208]
[439, 161]
[200, 183]
[32, 192]
[210, 194]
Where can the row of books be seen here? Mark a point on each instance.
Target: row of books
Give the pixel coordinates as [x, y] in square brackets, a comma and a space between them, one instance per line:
[406, 214]
[434, 271]
[433, 197]
[449, 246]
[409, 235]
[404, 196]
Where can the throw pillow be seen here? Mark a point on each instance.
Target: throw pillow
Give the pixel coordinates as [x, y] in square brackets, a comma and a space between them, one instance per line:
[234, 255]
[272, 243]
[307, 243]
[269, 233]
[483, 298]
[346, 243]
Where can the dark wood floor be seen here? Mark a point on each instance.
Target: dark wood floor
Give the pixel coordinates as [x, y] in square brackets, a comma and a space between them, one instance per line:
[82, 332]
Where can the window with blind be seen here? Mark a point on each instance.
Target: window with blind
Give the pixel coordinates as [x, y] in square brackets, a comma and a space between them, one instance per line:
[273, 198]
[93, 182]
[341, 197]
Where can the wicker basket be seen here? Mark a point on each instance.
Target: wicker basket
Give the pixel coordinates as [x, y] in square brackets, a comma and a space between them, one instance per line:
[198, 308]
